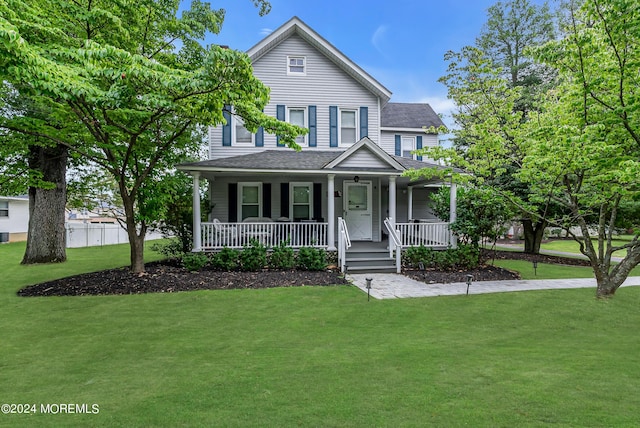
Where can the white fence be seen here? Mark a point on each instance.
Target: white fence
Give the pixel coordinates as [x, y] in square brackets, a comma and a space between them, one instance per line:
[217, 235]
[98, 234]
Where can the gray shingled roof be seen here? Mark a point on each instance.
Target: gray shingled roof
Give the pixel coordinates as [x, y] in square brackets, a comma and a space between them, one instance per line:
[307, 159]
[409, 115]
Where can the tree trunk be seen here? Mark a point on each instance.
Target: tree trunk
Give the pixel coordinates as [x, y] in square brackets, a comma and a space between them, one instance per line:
[533, 234]
[136, 239]
[46, 239]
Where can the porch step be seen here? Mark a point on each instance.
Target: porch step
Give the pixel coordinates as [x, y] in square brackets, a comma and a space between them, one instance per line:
[370, 260]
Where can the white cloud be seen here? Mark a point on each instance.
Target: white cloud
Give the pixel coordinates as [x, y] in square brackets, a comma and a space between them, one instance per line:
[378, 38]
[266, 31]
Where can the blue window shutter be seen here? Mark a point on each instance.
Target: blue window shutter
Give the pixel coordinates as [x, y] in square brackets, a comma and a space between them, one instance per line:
[313, 134]
[260, 137]
[419, 145]
[364, 122]
[333, 126]
[226, 128]
[280, 115]
[398, 145]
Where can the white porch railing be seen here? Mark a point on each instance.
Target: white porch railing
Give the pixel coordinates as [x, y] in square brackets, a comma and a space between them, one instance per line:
[427, 234]
[344, 243]
[236, 235]
[395, 243]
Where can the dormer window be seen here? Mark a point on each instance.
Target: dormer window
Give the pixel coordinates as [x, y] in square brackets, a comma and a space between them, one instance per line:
[296, 65]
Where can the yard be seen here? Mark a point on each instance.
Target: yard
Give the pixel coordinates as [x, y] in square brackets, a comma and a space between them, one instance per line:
[314, 356]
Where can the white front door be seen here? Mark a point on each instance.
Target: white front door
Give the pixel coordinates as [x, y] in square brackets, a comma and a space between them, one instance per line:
[357, 210]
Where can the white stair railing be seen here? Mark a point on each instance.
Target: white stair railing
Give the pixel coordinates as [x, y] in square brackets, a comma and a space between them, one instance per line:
[394, 243]
[344, 243]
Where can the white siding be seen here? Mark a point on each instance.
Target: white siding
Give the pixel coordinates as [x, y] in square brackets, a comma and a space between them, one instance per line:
[323, 85]
[18, 219]
[388, 141]
[363, 159]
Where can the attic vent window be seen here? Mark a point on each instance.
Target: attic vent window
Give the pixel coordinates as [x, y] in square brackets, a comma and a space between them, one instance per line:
[296, 65]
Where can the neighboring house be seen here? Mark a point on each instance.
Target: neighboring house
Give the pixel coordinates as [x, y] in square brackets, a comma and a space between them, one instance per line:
[348, 177]
[14, 218]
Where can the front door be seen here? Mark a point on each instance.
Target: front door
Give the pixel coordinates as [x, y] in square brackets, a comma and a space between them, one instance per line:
[357, 210]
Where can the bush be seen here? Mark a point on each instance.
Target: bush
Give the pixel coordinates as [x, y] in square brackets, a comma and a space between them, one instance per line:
[462, 257]
[282, 257]
[226, 259]
[253, 257]
[310, 258]
[171, 248]
[194, 261]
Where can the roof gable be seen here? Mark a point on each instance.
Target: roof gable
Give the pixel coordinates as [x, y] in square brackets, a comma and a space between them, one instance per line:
[296, 26]
[366, 153]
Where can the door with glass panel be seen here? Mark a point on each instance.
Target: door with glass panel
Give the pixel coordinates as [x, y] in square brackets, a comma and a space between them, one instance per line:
[358, 210]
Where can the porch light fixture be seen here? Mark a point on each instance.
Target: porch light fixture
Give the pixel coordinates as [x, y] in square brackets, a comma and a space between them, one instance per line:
[469, 279]
[356, 179]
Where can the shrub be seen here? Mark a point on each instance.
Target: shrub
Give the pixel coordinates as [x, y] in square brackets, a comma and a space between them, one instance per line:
[282, 257]
[226, 259]
[253, 257]
[194, 261]
[462, 257]
[310, 258]
[171, 248]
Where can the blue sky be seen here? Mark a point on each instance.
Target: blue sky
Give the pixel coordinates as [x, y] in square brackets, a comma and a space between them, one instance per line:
[401, 43]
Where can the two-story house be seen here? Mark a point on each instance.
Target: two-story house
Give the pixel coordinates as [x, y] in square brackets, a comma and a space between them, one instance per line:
[348, 178]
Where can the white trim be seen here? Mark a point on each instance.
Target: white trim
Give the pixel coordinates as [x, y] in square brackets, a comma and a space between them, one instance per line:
[356, 126]
[308, 185]
[247, 171]
[295, 25]
[375, 149]
[420, 131]
[305, 119]
[243, 184]
[234, 133]
[304, 65]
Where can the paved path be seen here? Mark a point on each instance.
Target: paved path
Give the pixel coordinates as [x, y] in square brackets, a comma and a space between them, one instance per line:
[392, 285]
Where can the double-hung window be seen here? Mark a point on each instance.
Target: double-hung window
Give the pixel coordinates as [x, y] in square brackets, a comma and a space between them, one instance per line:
[348, 127]
[408, 145]
[243, 136]
[249, 200]
[301, 198]
[296, 65]
[297, 117]
[4, 208]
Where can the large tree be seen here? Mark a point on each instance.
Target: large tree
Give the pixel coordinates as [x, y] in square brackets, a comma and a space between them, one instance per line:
[137, 81]
[583, 149]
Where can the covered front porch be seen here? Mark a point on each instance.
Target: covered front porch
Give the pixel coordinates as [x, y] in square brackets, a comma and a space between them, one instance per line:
[298, 198]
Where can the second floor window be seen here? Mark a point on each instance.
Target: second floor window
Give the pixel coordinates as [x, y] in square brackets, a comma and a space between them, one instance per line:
[408, 145]
[297, 117]
[348, 130]
[296, 65]
[243, 136]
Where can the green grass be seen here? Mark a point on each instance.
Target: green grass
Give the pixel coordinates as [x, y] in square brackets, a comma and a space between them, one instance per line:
[316, 356]
[571, 246]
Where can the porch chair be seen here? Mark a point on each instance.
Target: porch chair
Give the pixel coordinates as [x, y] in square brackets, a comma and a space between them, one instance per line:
[226, 235]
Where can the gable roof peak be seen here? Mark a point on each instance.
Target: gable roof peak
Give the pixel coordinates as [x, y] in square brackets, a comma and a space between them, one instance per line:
[295, 25]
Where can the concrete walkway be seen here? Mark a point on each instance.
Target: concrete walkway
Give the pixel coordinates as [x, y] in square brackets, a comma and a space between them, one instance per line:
[392, 285]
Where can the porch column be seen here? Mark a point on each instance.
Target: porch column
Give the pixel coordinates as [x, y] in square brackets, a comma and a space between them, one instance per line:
[197, 232]
[410, 202]
[392, 199]
[453, 191]
[331, 213]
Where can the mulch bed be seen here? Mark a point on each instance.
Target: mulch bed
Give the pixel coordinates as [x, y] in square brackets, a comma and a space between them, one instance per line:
[167, 277]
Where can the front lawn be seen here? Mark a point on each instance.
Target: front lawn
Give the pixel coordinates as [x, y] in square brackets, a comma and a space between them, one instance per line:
[316, 356]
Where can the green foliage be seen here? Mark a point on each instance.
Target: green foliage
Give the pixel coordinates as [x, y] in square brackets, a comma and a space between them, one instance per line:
[171, 248]
[193, 262]
[253, 257]
[282, 257]
[482, 213]
[311, 258]
[462, 257]
[227, 259]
